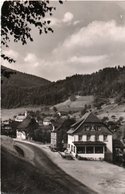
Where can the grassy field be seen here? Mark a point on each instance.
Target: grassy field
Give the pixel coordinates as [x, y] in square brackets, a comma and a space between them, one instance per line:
[76, 105]
[21, 177]
[65, 106]
[10, 113]
[113, 109]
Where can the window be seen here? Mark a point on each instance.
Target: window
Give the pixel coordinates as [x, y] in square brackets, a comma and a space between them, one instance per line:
[96, 128]
[89, 150]
[92, 128]
[87, 128]
[96, 137]
[80, 150]
[80, 137]
[88, 137]
[105, 138]
[99, 149]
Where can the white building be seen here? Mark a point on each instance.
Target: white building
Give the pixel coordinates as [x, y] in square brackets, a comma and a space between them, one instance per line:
[47, 121]
[21, 135]
[20, 117]
[89, 138]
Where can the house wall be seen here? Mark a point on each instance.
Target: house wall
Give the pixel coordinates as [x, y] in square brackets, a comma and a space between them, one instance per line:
[46, 123]
[109, 148]
[107, 153]
[21, 135]
[71, 145]
[74, 153]
[70, 139]
[93, 156]
[53, 139]
[109, 143]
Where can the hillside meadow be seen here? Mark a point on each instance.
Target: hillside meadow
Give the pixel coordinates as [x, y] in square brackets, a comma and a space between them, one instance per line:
[68, 106]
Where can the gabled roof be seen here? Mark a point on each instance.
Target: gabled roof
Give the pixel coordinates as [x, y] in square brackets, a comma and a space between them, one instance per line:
[88, 118]
[58, 124]
[26, 123]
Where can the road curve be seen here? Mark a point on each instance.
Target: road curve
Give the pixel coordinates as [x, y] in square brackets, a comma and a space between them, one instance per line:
[61, 182]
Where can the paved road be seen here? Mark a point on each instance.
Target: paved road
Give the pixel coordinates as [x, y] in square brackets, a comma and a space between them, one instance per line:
[61, 182]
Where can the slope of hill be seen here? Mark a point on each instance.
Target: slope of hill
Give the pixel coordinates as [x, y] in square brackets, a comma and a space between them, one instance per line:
[20, 79]
[108, 82]
[76, 105]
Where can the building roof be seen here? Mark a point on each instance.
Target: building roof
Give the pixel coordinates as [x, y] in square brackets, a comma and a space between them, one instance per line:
[89, 118]
[26, 123]
[79, 143]
[58, 124]
[48, 119]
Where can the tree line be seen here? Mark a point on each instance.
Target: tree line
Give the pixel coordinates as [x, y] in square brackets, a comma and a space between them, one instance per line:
[108, 82]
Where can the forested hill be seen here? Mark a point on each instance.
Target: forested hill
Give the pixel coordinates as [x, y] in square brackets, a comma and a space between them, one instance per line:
[108, 82]
[20, 79]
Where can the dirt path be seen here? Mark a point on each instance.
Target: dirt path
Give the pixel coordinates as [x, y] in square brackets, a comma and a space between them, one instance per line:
[101, 177]
[64, 183]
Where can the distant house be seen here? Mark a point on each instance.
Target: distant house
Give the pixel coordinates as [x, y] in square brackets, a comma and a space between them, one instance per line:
[6, 122]
[20, 117]
[89, 138]
[21, 135]
[47, 121]
[59, 133]
[9, 127]
[26, 128]
[56, 135]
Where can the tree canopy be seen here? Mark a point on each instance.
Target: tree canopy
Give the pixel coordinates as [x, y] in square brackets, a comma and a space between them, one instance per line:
[18, 17]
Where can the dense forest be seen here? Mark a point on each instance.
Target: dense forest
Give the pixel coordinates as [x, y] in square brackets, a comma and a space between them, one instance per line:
[22, 89]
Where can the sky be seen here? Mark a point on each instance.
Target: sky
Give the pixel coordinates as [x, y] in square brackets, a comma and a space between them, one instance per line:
[88, 36]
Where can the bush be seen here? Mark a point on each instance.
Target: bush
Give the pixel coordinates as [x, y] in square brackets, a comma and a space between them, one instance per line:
[72, 98]
[99, 101]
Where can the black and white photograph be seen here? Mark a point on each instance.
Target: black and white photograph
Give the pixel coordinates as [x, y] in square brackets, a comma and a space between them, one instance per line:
[62, 97]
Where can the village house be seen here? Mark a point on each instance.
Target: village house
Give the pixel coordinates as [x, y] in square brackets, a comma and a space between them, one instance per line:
[26, 128]
[9, 127]
[20, 117]
[56, 135]
[59, 133]
[89, 138]
[47, 121]
[21, 135]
